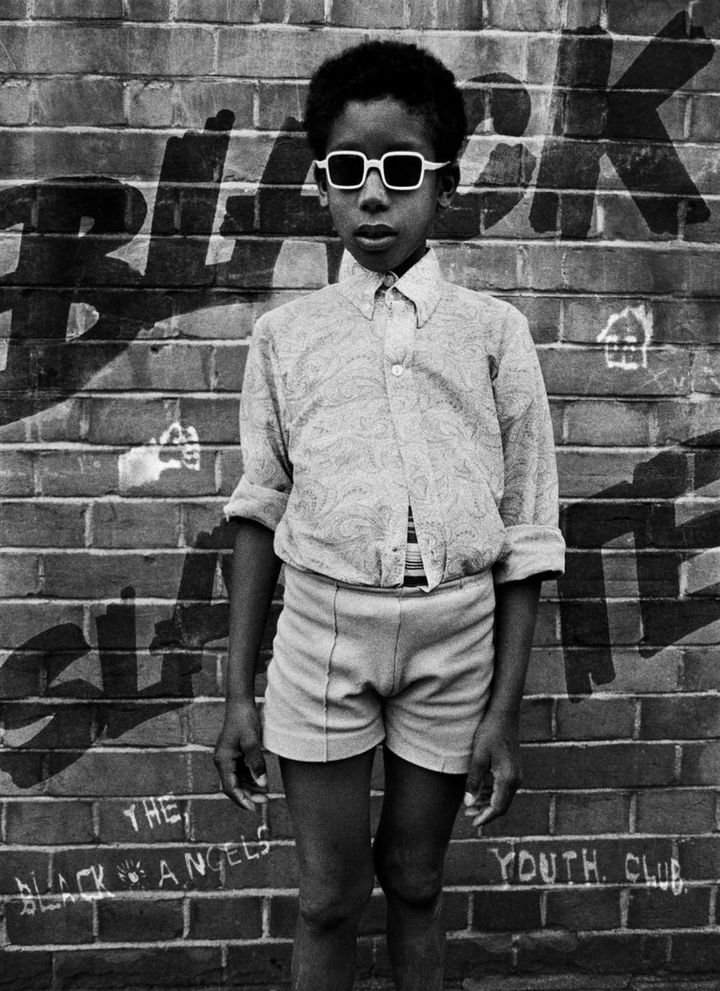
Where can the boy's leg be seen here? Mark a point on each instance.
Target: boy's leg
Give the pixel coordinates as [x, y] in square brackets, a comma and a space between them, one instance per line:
[418, 813]
[330, 809]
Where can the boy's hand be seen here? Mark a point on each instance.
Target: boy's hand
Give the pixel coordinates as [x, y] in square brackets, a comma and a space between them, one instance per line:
[238, 756]
[496, 750]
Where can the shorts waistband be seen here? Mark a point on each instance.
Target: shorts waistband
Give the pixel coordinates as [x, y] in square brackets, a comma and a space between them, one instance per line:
[397, 590]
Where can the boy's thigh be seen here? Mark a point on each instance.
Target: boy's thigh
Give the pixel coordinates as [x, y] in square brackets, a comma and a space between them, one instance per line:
[329, 804]
[418, 813]
[445, 660]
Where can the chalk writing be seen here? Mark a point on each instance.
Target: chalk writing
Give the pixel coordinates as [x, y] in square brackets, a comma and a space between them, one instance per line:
[178, 447]
[100, 881]
[155, 811]
[582, 866]
[626, 337]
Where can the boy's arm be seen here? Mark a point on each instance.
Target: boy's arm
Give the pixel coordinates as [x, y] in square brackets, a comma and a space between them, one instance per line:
[496, 743]
[238, 752]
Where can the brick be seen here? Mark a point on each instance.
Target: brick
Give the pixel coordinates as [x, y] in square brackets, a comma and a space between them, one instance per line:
[595, 719]
[214, 820]
[513, 15]
[694, 953]
[59, 9]
[706, 371]
[15, 102]
[111, 49]
[535, 720]
[478, 956]
[261, 51]
[148, 10]
[701, 671]
[149, 103]
[14, 10]
[528, 815]
[58, 923]
[196, 966]
[590, 474]
[648, 20]
[72, 473]
[699, 857]
[23, 773]
[250, 965]
[226, 918]
[70, 727]
[195, 100]
[85, 575]
[345, 13]
[141, 724]
[140, 920]
[583, 15]
[292, 11]
[680, 718]
[506, 911]
[42, 524]
[31, 968]
[605, 953]
[608, 423]
[49, 822]
[158, 819]
[16, 474]
[133, 523]
[231, 11]
[589, 813]
[90, 102]
[38, 632]
[653, 909]
[705, 16]
[700, 763]
[27, 866]
[107, 773]
[280, 103]
[612, 765]
[206, 719]
[597, 908]
[19, 575]
[215, 419]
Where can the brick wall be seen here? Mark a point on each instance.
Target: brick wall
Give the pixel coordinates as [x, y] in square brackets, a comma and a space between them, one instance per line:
[151, 172]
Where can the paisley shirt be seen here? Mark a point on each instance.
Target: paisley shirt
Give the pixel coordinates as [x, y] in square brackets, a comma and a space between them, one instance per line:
[359, 404]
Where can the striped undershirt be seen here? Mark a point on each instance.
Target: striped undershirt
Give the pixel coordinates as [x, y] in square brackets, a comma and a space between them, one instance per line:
[414, 571]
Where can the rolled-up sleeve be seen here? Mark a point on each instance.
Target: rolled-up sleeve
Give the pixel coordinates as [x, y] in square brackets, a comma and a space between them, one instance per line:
[534, 544]
[263, 490]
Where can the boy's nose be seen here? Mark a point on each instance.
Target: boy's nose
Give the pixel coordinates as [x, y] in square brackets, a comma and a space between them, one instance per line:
[374, 191]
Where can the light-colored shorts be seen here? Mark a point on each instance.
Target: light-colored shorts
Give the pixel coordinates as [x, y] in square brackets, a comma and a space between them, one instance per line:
[354, 665]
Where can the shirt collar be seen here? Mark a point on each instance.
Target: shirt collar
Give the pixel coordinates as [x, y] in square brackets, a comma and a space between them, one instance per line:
[422, 284]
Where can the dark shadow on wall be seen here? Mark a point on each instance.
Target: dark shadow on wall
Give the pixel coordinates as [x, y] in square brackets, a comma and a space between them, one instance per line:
[645, 509]
[111, 702]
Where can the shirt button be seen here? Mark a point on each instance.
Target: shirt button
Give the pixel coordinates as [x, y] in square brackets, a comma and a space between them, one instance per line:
[397, 370]
[388, 279]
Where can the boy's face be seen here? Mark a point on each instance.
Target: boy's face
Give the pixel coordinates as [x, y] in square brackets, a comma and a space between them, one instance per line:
[382, 228]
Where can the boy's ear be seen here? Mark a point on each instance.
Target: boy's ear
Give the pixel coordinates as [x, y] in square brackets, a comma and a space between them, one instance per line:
[321, 183]
[448, 181]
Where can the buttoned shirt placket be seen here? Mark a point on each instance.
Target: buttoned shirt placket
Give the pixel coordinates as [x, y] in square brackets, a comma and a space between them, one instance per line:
[399, 345]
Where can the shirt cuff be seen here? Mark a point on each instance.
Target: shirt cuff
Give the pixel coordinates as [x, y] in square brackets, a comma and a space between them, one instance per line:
[256, 502]
[530, 550]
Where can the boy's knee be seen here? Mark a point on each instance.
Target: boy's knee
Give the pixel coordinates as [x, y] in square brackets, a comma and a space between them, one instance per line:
[327, 904]
[410, 879]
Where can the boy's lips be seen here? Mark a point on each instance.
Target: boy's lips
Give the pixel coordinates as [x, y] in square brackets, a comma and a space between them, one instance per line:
[374, 237]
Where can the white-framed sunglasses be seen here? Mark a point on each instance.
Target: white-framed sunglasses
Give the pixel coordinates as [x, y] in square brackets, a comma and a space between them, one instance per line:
[401, 170]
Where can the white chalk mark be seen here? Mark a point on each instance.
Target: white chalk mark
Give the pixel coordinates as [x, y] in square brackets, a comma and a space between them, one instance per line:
[626, 337]
[178, 448]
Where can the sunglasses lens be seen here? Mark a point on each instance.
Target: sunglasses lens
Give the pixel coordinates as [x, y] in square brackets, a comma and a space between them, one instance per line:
[403, 171]
[345, 169]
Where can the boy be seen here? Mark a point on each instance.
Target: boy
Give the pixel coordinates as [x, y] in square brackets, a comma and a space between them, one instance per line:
[396, 438]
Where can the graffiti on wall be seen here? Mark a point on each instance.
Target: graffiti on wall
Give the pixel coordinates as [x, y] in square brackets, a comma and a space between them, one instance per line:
[58, 301]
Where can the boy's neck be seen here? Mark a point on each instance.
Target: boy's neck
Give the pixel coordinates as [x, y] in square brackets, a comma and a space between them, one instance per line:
[411, 260]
